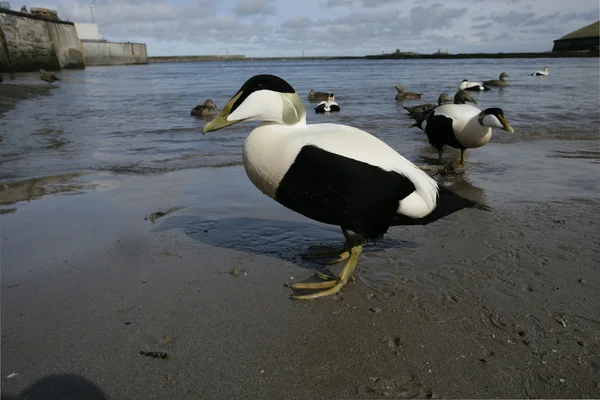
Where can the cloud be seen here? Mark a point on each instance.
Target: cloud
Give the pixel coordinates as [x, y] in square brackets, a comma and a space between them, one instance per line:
[254, 7]
[332, 27]
[434, 17]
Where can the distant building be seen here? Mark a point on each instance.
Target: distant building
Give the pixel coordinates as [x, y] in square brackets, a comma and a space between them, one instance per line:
[586, 38]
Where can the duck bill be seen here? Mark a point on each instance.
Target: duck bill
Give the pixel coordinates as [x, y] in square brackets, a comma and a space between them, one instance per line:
[474, 101]
[505, 125]
[221, 121]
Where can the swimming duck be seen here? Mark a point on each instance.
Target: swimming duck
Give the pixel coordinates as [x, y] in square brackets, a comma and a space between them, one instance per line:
[316, 96]
[418, 110]
[474, 86]
[48, 76]
[497, 82]
[331, 173]
[462, 126]
[545, 72]
[327, 106]
[461, 97]
[206, 109]
[402, 95]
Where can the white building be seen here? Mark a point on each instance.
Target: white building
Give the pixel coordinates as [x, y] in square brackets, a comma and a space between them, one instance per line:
[87, 31]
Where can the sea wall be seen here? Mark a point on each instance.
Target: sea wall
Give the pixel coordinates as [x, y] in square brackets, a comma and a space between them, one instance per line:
[30, 43]
[108, 53]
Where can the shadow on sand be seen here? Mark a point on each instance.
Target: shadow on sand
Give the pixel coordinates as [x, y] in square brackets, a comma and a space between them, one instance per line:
[60, 387]
[284, 240]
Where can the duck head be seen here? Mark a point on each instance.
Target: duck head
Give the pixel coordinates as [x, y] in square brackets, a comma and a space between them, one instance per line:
[261, 98]
[462, 96]
[444, 98]
[503, 75]
[494, 118]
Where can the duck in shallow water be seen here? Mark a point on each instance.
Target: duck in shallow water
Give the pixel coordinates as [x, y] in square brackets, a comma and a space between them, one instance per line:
[331, 173]
[327, 106]
[461, 97]
[402, 95]
[545, 72]
[462, 126]
[472, 86]
[418, 110]
[497, 82]
[48, 76]
[317, 96]
[206, 109]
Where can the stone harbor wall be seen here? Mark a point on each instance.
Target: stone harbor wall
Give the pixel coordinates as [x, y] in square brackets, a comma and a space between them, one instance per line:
[97, 52]
[30, 43]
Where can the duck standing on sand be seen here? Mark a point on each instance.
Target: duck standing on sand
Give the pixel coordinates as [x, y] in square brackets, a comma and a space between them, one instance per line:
[473, 86]
[462, 126]
[48, 76]
[206, 109]
[402, 95]
[327, 106]
[497, 82]
[421, 108]
[331, 173]
[317, 96]
[545, 72]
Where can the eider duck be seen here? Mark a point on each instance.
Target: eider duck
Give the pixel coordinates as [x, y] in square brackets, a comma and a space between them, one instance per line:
[402, 95]
[462, 126]
[331, 173]
[475, 86]
[48, 76]
[206, 109]
[316, 96]
[545, 72]
[461, 97]
[418, 110]
[327, 106]
[497, 82]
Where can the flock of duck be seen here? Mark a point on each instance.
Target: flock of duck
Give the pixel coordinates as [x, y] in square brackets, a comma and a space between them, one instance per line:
[341, 175]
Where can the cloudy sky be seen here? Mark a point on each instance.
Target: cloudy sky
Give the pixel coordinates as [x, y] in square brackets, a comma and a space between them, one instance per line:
[331, 27]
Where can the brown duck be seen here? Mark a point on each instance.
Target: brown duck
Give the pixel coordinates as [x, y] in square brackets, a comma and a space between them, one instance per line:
[206, 109]
[497, 82]
[317, 96]
[48, 76]
[402, 95]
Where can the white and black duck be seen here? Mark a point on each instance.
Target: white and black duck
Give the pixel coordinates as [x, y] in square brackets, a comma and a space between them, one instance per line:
[327, 106]
[331, 173]
[462, 126]
[545, 72]
[472, 86]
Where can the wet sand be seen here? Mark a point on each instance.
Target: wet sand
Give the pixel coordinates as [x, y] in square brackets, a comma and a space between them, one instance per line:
[500, 304]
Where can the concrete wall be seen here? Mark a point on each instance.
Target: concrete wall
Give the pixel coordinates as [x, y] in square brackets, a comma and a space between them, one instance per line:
[29, 43]
[104, 53]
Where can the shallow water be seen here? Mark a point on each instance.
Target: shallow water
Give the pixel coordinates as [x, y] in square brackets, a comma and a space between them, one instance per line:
[135, 119]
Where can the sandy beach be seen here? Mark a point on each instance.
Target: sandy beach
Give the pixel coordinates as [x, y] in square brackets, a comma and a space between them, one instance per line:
[88, 282]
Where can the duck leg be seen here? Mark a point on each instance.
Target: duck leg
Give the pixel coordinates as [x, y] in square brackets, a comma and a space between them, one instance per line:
[440, 152]
[461, 163]
[332, 285]
[327, 251]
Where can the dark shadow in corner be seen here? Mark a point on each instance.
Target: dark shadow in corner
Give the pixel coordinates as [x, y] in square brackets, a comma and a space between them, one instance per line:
[284, 240]
[60, 387]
